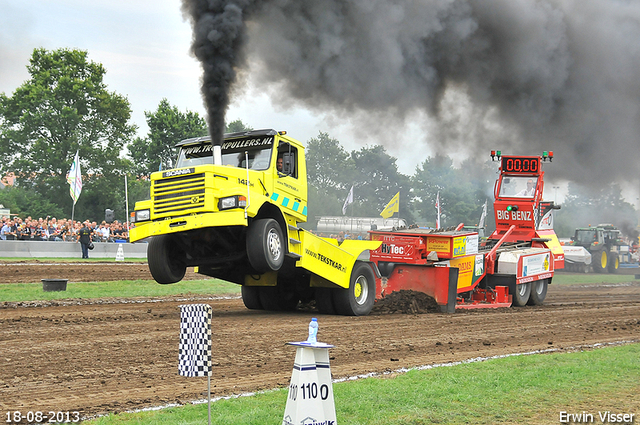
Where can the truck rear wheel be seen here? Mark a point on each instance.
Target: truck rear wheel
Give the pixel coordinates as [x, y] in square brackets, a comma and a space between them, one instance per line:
[324, 300]
[600, 261]
[251, 297]
[538, 292]
[166, 260]
[358, 299]
[521, 295]
[265, 245]
[614, 263]
[274, 298]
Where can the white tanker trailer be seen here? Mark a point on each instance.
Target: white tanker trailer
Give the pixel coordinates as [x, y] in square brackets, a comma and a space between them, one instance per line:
[336, 224]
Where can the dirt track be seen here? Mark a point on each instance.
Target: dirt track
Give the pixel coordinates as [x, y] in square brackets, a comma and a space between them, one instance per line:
[112, 356]
[28, 271]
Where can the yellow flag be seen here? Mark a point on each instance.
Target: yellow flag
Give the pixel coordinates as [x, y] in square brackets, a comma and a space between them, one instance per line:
[392, 207]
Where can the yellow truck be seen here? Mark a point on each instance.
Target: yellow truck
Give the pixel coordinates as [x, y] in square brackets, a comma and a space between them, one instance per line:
[233, 210]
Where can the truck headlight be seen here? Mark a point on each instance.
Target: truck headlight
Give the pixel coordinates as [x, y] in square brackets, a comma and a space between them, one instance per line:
[142, 215]
[232, 202]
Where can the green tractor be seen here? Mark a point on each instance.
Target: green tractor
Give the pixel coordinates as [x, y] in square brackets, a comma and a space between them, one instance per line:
[605, 245]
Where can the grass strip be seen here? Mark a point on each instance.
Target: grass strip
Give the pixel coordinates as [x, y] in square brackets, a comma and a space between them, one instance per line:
[560, 278]
[523, 389]
[16, 292]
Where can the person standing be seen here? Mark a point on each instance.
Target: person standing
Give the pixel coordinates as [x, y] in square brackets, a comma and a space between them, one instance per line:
[6, 230]
[84, 237]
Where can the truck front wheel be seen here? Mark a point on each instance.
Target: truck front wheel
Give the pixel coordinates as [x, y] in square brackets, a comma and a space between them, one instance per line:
[521, 295]
[166, 260]
[358, 299]
[265, 245]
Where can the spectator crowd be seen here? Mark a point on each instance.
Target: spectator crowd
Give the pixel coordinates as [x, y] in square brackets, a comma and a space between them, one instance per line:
[52, 229]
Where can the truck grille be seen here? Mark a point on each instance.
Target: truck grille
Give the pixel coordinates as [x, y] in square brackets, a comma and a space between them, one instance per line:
[181, 194]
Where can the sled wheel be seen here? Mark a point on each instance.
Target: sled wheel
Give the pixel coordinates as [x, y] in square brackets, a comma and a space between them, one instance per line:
[324, 300]
[614, 263]
[251, 297]
[538, 292]
[265, 247]
[358, 299]
[521, 295]
[166, 260]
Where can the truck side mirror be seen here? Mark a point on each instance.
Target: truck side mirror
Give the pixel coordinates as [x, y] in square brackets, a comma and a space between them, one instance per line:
[288, 164]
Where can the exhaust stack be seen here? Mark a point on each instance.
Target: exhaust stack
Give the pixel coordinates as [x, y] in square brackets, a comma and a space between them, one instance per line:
[217, 155]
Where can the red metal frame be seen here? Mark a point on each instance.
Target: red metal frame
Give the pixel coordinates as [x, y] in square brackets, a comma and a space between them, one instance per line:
[516, 221]
[522, 211]
[487, 298]
[432, 280]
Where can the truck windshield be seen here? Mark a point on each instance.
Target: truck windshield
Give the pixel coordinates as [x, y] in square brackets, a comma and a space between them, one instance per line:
[518, 187]
[234, 153]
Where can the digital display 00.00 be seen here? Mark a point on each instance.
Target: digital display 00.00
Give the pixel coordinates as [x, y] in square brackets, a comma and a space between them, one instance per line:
[520, 164]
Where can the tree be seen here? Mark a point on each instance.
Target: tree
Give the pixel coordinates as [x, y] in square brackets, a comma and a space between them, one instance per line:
[328, 165]
[26, 202]
[377, 180]
[328, 176]
[65, 107]
[331, 171]
[462, 193]
[585, 206]
[237, 126]
[167, 126]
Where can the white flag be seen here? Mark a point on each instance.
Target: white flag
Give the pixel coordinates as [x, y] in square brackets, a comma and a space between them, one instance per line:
[438, 209]
[74, 178]
[347, 201]
[483, 216]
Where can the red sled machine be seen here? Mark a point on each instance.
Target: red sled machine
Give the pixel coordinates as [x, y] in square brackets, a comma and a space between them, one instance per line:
[513, 266]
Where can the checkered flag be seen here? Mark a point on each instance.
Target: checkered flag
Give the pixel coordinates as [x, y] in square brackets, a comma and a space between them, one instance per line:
[195, 340]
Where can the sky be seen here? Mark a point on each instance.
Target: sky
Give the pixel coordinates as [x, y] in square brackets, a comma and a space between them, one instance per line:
[454, 77]
[145, 47]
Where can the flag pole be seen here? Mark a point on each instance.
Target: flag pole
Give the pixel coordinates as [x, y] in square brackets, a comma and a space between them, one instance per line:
[398, 217]
[126, 199]
[352, 219]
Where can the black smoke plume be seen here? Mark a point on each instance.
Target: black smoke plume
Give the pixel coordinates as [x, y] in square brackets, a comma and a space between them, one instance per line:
[518, 75]
[218, 40]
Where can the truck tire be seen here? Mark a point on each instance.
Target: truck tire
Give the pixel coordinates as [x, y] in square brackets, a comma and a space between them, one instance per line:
[538, 292]
[358, 299]
[324, 300]
[600, 261]
[614, 263]
[166, 260]
[265, 245]
[251, 297]
[521, 294]
[273, 298]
